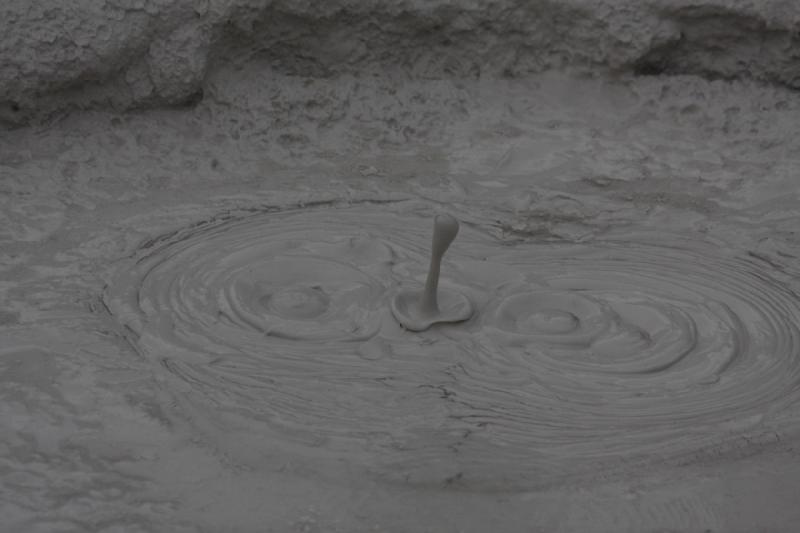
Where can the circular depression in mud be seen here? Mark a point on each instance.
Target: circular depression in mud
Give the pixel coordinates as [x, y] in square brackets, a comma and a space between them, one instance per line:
[273, 332]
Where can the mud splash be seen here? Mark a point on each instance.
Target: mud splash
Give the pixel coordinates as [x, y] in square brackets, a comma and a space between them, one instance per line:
[277, 326]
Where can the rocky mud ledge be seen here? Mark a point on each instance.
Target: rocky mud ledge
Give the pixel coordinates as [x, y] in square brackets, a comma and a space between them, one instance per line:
[120, 54]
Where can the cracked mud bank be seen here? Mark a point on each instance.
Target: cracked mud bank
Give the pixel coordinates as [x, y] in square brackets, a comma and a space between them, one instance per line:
[205, 208]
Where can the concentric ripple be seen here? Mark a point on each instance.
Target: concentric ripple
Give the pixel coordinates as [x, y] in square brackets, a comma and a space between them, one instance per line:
[277, 326]
[628, 350]
[276, 318]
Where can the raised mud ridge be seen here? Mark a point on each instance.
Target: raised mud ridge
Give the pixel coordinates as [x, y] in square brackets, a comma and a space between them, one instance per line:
[124, 54]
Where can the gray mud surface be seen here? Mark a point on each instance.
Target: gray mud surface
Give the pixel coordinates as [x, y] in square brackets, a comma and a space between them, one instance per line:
[196, 267]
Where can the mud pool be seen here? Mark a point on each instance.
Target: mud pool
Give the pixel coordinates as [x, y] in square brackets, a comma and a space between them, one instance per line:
[276, 328]
[195, 331]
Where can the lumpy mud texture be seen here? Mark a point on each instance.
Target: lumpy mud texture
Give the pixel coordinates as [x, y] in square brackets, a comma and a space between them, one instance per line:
[160, 52]
[278, 325]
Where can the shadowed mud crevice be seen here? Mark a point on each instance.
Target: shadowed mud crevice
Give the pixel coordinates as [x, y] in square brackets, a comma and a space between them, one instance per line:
[721, 43]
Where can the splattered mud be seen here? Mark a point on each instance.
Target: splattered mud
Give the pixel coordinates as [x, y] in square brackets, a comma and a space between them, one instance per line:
[195, 332]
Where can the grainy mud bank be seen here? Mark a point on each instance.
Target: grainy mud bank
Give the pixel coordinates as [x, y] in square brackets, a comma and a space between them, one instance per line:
[205, 209]
[135, 54]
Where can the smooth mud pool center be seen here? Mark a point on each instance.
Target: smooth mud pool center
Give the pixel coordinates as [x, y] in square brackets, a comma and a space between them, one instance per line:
[399, 266]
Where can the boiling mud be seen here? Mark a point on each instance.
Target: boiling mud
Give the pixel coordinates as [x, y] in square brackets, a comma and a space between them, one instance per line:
[273, 331]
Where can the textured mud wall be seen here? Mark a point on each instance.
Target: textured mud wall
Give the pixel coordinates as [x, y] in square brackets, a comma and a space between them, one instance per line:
[126, 53]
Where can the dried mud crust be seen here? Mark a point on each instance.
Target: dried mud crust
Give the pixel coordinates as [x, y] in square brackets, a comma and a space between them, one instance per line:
[140, 54]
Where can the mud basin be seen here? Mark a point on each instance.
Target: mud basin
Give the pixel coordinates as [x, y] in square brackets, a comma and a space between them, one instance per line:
[276, 328]
[200, 247]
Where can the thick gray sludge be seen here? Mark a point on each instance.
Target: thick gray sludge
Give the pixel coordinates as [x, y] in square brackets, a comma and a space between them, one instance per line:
[278, 325]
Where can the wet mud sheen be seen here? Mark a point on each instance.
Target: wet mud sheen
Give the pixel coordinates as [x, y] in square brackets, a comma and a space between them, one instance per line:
[274, 331]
